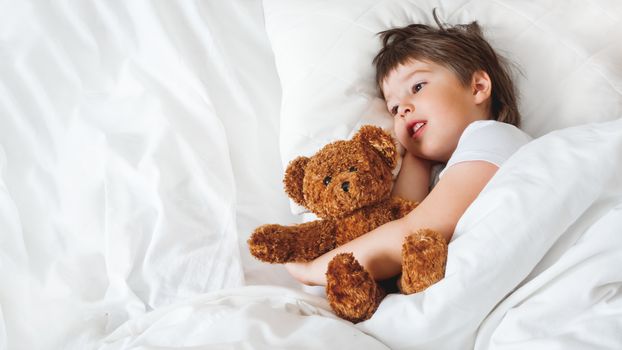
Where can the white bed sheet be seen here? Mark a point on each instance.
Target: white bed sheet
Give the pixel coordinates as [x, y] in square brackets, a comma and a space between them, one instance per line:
[255, 317]
[138, 149]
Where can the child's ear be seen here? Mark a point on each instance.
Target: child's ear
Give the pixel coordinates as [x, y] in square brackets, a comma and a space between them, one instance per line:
[380, 141]
[481, 86]
[294, 175]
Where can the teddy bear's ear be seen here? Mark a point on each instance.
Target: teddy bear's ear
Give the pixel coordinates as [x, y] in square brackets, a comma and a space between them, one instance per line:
[294, 174]
[381, 141]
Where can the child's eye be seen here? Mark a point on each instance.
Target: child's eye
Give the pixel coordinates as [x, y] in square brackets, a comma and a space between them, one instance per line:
[417, 87]
[394, 110]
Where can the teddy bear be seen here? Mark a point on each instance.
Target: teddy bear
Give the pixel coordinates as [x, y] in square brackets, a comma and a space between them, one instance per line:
[347, 185]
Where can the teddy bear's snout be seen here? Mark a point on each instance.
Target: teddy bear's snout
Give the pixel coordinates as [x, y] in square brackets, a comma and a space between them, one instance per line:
[345, 186]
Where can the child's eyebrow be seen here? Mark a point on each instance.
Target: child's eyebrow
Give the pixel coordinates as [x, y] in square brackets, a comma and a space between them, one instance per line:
[416, 71]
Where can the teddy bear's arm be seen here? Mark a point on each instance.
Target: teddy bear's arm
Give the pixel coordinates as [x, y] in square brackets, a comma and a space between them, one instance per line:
[297, 243]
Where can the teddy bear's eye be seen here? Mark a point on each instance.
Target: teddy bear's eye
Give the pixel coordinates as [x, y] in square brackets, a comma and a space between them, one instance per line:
[327, 180]
[353, 169]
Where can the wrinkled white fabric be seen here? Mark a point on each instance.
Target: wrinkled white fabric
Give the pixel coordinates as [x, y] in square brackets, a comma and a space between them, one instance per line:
[138, 149]
[257, 317]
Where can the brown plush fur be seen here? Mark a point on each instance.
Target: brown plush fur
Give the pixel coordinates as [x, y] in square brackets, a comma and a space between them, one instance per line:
[352, 292]
[424, 255]
[347, 184]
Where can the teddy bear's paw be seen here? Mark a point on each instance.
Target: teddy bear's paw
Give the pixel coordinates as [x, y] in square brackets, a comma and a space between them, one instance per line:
[272, 244]
[424, 255]
[352, 292]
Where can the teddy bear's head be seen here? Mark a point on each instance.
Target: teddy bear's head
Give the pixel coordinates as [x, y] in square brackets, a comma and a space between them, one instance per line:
[344, 175]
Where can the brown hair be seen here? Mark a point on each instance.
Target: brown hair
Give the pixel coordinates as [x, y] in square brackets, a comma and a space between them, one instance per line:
[460, 48]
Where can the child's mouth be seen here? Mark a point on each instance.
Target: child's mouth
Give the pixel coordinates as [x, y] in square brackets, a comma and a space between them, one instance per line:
[415, 128]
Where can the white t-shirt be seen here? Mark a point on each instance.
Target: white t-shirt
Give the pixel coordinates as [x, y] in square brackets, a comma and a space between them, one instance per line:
[487, 140]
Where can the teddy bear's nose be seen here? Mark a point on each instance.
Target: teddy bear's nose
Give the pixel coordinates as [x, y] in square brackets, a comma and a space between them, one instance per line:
[345, 186]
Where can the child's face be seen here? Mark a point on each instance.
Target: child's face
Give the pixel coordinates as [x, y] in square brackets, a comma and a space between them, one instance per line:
[431, 108]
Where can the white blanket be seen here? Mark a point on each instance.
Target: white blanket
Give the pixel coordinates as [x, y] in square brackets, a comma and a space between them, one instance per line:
[247, 318]
[534, 264]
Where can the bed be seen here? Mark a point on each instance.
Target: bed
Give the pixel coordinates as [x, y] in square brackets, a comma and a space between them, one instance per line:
[141, 142]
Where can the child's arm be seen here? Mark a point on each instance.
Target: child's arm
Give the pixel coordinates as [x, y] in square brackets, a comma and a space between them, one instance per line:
[379, 251]
[413, 180]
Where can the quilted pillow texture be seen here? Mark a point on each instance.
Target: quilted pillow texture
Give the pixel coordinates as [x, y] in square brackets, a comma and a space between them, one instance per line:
[567, 60]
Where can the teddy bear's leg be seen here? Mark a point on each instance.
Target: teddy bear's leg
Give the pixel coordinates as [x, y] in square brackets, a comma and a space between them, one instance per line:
[304, 242]
[352, 292]
[424, 255]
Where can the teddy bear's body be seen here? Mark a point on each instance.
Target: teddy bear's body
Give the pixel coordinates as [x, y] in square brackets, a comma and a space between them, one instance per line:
[347, 184]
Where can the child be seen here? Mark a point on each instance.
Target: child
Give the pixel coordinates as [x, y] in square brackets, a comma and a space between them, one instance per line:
[452, 102]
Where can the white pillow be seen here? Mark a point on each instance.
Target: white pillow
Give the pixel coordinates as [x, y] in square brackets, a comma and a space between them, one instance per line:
[569, 53]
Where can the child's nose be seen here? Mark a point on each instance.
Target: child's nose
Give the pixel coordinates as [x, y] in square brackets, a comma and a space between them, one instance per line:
[406, 109]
